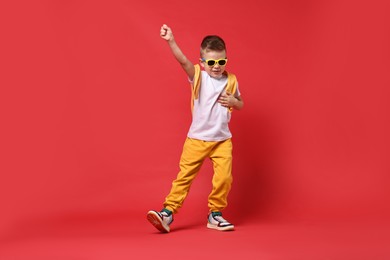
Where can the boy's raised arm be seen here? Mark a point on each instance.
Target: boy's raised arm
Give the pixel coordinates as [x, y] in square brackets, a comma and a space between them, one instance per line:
[166, 34]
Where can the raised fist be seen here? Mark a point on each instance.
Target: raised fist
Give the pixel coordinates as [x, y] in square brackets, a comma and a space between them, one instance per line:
[166, 33]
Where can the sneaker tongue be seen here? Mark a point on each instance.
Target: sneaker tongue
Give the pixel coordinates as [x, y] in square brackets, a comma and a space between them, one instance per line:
[215, 214]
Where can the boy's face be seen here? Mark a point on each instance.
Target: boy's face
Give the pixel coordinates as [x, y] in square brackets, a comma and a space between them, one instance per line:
[216, 70]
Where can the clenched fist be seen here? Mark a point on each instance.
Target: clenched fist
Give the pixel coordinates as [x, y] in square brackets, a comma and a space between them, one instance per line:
[166, 33]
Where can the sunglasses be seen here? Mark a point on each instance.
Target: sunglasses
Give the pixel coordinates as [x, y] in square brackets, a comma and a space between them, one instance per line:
[221, 62]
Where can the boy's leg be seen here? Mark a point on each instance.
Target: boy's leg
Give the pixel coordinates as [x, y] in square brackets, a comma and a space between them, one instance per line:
[221, 157]
[193, 155]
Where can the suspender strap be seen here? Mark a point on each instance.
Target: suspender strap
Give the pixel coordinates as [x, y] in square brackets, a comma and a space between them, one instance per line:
[195, 86]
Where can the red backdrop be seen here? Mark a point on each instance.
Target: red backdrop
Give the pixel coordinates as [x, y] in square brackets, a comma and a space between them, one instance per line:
[94, 108]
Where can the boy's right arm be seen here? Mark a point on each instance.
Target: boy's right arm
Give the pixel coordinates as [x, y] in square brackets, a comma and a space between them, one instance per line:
[166, 34]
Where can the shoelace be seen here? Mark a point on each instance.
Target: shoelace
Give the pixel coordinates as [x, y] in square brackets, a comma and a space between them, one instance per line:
[164, 215]
[220, 219]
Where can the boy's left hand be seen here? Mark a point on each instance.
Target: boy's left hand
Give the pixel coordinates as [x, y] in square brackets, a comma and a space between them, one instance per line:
[226, 99]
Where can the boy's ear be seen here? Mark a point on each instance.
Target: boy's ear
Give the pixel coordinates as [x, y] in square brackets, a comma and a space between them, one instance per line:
[201, 63]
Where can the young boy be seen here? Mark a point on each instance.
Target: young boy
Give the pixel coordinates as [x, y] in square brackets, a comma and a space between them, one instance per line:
[214, 94]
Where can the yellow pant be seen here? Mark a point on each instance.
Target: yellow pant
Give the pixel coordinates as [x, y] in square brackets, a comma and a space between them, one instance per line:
[193, 155]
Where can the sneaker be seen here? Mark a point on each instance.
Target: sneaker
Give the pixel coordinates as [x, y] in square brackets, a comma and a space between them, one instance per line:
[160, 220]
[218, 222]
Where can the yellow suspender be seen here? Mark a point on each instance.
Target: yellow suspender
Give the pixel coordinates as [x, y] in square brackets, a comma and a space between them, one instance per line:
[231, 85]
[195, 86]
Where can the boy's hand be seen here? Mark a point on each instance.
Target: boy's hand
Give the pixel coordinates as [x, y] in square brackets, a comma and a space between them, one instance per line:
[166, 33]
[226, 99]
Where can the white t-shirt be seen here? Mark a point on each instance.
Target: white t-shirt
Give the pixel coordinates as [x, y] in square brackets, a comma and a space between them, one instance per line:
[209, 118]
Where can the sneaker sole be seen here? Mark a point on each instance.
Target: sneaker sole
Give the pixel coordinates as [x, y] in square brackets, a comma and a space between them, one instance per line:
[156, 221]
[227, 228]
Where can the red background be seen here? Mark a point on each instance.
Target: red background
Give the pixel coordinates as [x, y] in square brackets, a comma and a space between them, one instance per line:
[94, 112]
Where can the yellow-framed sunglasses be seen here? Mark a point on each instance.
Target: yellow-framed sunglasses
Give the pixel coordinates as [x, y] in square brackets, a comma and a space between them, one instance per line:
[210, 62]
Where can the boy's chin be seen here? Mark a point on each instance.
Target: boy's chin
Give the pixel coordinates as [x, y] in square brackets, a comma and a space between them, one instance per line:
[216, 75]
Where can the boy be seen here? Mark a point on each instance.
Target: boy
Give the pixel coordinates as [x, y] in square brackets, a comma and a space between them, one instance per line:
[214, 94]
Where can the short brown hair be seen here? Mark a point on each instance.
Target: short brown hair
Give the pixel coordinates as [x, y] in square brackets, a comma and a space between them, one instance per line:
[212, 42]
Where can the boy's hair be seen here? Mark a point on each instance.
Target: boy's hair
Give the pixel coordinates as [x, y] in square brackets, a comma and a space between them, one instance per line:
[213, 43]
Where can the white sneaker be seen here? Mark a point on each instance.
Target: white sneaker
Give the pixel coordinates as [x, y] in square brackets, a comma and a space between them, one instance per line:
[219, 223]
[160, 220]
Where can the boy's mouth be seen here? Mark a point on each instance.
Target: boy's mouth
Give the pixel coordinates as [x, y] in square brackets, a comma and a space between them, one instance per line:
[216, 74]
